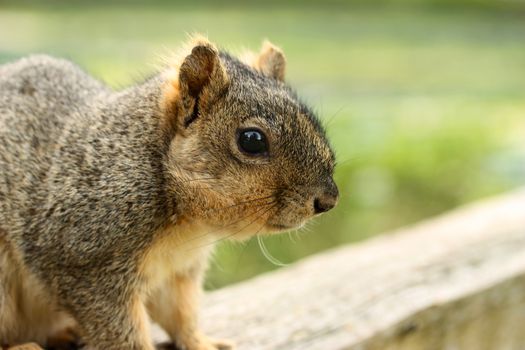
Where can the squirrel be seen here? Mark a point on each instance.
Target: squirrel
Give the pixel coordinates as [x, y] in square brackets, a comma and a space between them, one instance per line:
[111, 201]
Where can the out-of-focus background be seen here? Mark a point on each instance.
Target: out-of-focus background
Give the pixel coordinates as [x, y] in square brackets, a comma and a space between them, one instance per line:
[424, 101]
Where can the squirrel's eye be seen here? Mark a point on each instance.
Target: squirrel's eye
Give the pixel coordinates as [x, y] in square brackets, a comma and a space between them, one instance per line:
[253, 142]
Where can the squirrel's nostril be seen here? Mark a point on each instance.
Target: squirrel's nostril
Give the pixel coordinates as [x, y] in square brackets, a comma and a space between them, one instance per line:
[322, 205]
[327, 199]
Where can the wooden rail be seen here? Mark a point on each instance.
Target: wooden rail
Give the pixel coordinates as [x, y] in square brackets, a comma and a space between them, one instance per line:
[454, 282]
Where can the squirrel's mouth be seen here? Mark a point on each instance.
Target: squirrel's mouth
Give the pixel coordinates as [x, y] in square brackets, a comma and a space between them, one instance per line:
[280, 227]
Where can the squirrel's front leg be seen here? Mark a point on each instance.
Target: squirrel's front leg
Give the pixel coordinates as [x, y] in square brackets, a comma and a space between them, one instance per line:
[175, 306]
[27, 346]
[112, 320]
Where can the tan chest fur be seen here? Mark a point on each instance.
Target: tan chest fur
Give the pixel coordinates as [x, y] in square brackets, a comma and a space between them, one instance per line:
[27, 311]
[179, 251]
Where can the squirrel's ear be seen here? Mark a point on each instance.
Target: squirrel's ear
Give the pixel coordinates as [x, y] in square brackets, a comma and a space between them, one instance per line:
[199, 77]
[270, 61]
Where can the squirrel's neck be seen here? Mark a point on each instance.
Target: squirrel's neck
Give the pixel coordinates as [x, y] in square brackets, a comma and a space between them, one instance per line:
[141, 121]
[142, 107]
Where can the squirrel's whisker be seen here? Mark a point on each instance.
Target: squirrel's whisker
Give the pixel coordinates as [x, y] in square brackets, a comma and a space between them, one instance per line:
[242, 228]
[258, 230]
[238, 204]
[193, 170]
[228, 225]
[266, 253]
[328, 122]
[199, 179]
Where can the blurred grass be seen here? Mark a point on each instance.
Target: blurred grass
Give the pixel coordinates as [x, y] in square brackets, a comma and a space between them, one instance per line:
[424, 102]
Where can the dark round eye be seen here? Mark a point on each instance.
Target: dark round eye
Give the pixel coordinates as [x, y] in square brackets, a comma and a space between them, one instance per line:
[253, 142]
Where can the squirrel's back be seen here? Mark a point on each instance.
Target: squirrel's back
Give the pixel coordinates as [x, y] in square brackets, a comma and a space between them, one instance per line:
[38, 95]
[44, 89]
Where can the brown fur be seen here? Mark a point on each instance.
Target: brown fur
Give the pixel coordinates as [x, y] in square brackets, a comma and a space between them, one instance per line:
[270, 61]
[26, 346]
[120, 197]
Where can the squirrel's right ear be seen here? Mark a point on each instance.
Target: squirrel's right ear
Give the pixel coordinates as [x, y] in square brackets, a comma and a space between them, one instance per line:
[270, 61]
[190, 87]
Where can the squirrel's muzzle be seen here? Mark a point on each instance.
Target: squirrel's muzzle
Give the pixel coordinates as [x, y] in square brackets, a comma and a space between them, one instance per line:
[327, 199]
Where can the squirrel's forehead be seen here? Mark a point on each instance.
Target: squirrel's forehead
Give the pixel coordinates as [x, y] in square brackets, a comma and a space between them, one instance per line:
[279, 111]
[273, 104]
[314, 145]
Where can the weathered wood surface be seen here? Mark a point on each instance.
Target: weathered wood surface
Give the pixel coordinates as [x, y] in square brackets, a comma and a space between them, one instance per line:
[455, 282]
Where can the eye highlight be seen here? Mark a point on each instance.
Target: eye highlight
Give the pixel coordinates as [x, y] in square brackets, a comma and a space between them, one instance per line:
[252, 142]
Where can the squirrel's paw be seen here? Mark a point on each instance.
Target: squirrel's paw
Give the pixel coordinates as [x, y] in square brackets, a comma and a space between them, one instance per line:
[222, 344]
[201, 343]
[27, 346]
[213, 344]
[67, 339]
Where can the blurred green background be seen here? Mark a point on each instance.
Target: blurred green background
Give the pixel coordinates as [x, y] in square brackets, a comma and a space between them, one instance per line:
[424, 101]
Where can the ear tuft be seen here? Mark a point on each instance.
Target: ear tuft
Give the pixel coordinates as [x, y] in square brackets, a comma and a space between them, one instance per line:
[197, 68]
[271, 61]
[201, 67]
[192, 81]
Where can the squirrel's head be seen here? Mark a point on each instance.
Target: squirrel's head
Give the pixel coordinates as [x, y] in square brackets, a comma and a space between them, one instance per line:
[246, 155]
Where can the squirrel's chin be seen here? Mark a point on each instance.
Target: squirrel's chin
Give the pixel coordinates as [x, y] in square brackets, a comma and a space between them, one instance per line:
[268, 229]
[278, 227]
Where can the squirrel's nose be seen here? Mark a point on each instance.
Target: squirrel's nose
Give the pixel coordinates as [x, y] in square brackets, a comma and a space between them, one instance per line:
[326, 200]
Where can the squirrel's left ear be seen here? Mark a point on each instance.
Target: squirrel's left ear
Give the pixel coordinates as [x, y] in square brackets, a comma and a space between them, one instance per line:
[270, 61]
[190, 87]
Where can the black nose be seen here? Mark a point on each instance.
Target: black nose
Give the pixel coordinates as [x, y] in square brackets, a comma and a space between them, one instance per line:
[326, 201]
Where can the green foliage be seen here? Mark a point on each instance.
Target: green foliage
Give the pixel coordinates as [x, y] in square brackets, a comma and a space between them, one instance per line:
[425, 106]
